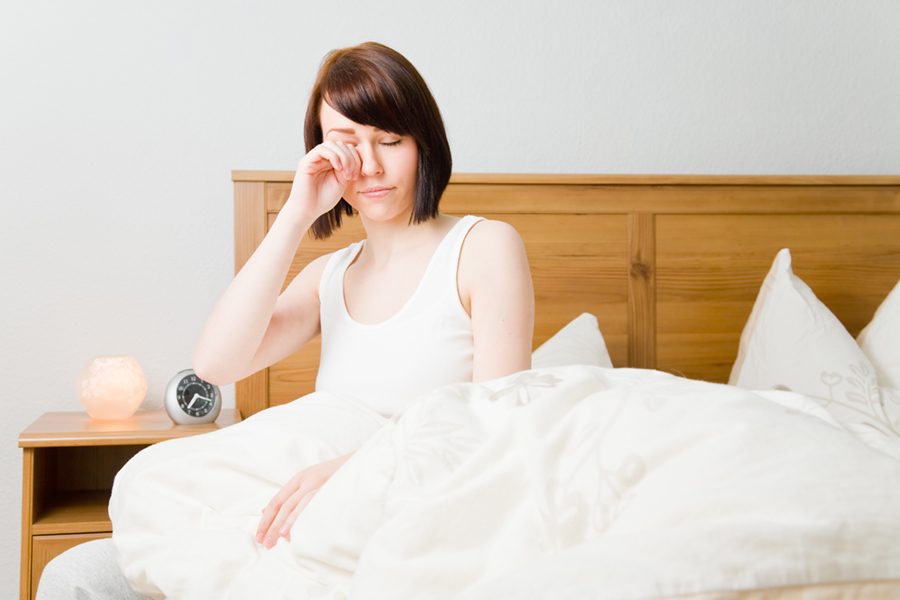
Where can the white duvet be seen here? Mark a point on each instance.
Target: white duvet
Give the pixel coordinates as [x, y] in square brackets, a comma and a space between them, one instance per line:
[568, 482]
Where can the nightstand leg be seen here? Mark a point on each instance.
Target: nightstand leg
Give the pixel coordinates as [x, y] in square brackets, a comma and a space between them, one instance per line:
[27, 520]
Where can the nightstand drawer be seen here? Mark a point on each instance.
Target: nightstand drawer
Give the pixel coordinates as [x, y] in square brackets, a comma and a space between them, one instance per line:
[47, 547]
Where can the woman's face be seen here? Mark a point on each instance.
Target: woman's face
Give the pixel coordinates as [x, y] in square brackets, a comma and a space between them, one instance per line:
[386, 187]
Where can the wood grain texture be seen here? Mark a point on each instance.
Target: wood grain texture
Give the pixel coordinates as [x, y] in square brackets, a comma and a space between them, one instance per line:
[59, 429]
[599, 179]
[535, 194]
[710, 267]
[74, 511]
[249, 220]
[294, 376]
[669, 264]
[253, 392]
[686, 180]
[671, 199]
[641, 291]
[28, 493]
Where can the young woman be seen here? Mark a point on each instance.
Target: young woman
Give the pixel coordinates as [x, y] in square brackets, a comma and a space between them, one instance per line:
[426, 300]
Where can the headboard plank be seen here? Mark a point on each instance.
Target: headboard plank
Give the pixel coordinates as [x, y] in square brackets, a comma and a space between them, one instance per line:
[710, 268]
[662, 199]
[641, 290]
[670, 265]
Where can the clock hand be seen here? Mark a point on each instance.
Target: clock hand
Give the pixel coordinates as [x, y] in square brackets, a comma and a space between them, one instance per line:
[196, 397]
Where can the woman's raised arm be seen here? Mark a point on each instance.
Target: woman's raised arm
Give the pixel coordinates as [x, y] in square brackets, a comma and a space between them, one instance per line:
[252, 326]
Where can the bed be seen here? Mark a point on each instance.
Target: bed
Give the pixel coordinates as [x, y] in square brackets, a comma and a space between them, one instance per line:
[671, 268]
[670, 265]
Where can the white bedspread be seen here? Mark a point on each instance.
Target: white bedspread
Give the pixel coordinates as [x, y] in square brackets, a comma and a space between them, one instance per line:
[626, 484]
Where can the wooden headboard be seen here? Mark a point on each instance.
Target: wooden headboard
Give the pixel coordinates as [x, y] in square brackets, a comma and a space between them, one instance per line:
[670, 265]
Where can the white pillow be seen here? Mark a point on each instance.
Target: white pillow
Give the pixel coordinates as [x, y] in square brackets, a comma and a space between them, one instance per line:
[793, 342]
[578, 343]
[880, 340]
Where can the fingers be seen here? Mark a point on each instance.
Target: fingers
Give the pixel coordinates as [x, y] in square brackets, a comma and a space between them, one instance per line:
[282, 511]
[355, 162]
[270, 512]
[285, 507]
[339, 156]
[289, 522]
[277, 528]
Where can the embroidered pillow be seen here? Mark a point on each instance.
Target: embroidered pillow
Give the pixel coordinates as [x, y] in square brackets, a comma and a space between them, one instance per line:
[793, 342]
[880, 340]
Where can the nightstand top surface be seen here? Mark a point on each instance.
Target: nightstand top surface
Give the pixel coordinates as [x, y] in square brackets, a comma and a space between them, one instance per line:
[144, 427]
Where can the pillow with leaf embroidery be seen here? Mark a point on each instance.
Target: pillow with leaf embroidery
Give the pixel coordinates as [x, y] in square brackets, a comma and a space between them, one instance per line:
[880, 340]
[792, 341]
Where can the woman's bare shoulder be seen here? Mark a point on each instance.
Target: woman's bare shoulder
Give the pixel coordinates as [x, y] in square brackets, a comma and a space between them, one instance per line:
[493, 238]
[493, 255]
[317, 265]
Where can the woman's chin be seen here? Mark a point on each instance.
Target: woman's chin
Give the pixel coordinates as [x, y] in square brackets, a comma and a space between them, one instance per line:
[382, 212]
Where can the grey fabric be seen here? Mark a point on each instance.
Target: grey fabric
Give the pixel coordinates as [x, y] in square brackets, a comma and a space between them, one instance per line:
[88, 571]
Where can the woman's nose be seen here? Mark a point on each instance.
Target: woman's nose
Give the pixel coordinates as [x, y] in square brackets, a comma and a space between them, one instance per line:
[371, 165]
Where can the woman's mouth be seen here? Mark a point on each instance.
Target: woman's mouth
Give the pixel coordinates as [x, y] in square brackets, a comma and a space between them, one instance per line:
[373, 193]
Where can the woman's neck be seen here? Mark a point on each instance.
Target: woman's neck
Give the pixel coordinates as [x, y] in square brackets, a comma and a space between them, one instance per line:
[386, 239]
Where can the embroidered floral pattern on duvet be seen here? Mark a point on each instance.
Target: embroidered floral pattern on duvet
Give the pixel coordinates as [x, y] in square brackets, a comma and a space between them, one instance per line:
[549, 483]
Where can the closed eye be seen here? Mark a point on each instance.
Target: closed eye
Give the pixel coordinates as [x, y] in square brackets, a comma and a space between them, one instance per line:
[350, 141]
[392, 143]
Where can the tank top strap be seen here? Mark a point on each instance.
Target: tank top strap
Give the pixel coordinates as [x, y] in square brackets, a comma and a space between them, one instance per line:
[447, 259]
[331, 283]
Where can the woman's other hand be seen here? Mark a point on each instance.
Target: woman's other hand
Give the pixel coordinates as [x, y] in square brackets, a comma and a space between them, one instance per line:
[284, 508]
[322, 176]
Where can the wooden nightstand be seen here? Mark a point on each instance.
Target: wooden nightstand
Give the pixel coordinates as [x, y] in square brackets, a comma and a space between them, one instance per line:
[69, 462]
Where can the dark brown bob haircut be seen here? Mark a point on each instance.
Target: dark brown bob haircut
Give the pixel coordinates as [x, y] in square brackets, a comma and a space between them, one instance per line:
[374, 85]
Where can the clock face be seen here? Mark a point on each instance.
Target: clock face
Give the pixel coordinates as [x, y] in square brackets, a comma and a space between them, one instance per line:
[195, 396]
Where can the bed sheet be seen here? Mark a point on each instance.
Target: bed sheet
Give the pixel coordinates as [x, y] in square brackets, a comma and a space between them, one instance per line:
[566, 482]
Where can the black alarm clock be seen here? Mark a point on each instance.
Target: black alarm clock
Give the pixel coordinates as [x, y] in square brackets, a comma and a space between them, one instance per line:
[191, 400]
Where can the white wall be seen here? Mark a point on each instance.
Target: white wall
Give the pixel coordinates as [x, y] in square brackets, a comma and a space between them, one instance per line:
[121, 121]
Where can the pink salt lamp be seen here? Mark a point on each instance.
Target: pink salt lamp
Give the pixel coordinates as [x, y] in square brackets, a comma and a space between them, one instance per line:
[111, 387]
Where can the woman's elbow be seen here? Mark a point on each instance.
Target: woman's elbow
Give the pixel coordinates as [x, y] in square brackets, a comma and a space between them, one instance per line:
[207, 371]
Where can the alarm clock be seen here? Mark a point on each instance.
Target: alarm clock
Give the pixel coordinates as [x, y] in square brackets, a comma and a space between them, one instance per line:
[191, 400]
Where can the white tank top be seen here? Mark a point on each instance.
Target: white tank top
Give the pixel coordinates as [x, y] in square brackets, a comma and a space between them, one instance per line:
[426, 345]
